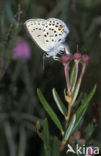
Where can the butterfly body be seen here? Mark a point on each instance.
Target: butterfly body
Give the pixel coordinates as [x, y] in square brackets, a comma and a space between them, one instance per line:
[49, 34]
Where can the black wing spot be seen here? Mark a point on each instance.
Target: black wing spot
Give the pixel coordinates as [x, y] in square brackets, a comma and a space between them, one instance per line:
[52, 40]
[45, 35]
[38, 36]
[54, 31]
[59, 40]
[49, 28]
[60, 34]
[46, 40]
[39, 28]
[55, 34]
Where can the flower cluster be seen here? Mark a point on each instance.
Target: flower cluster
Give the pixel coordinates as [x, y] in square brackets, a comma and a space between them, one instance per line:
[78, 58]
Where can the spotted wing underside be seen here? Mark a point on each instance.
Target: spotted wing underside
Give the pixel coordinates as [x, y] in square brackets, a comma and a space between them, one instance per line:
[35, 28]
[47, 33]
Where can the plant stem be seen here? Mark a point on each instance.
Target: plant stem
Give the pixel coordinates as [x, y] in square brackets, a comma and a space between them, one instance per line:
[76, 74]
[68, 114]
[63, 143]
[83, 70]
[68, 99]
[66, 70]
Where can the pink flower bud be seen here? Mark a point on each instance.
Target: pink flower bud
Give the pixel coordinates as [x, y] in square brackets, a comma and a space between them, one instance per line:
[77, 56]
[66, 58]
[85, 58]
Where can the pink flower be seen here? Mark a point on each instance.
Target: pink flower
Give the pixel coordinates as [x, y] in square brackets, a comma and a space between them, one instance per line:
[21, 51]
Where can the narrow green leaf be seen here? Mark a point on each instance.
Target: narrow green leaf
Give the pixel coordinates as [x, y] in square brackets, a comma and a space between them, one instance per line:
[72, 75]
[86, 102]
[59, 103]
[65, 92]
[49, 110]
[46, 131]
[78, 121]
[70, 127]
[76, 91]
[89, 131]
[82, 109]
[46, 136]
[38, 125]
[55, 149]
[40, 134]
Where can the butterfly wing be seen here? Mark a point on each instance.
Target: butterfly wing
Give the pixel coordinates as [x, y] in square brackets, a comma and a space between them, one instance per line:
[48, 34]
[54, 35]
[35, 28]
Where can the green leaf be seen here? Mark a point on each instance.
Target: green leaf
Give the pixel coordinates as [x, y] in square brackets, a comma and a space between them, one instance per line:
[49, 110]
[70, 127]
[76, 91]
[72, 75]
[89, 131]
[78, 121]
[46, 136]
[82, 109]
[38, 125]
[65, 93]
[46, 131]
[86, 102]
[59, 103]
[55, 149]
[42, 138]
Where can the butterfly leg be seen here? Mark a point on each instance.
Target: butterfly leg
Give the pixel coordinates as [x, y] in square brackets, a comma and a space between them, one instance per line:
[56, 58]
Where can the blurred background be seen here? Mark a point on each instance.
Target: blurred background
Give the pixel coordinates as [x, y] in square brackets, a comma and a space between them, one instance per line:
[21, 69]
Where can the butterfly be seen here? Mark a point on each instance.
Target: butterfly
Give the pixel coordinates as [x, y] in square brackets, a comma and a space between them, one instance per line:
[49, 35]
